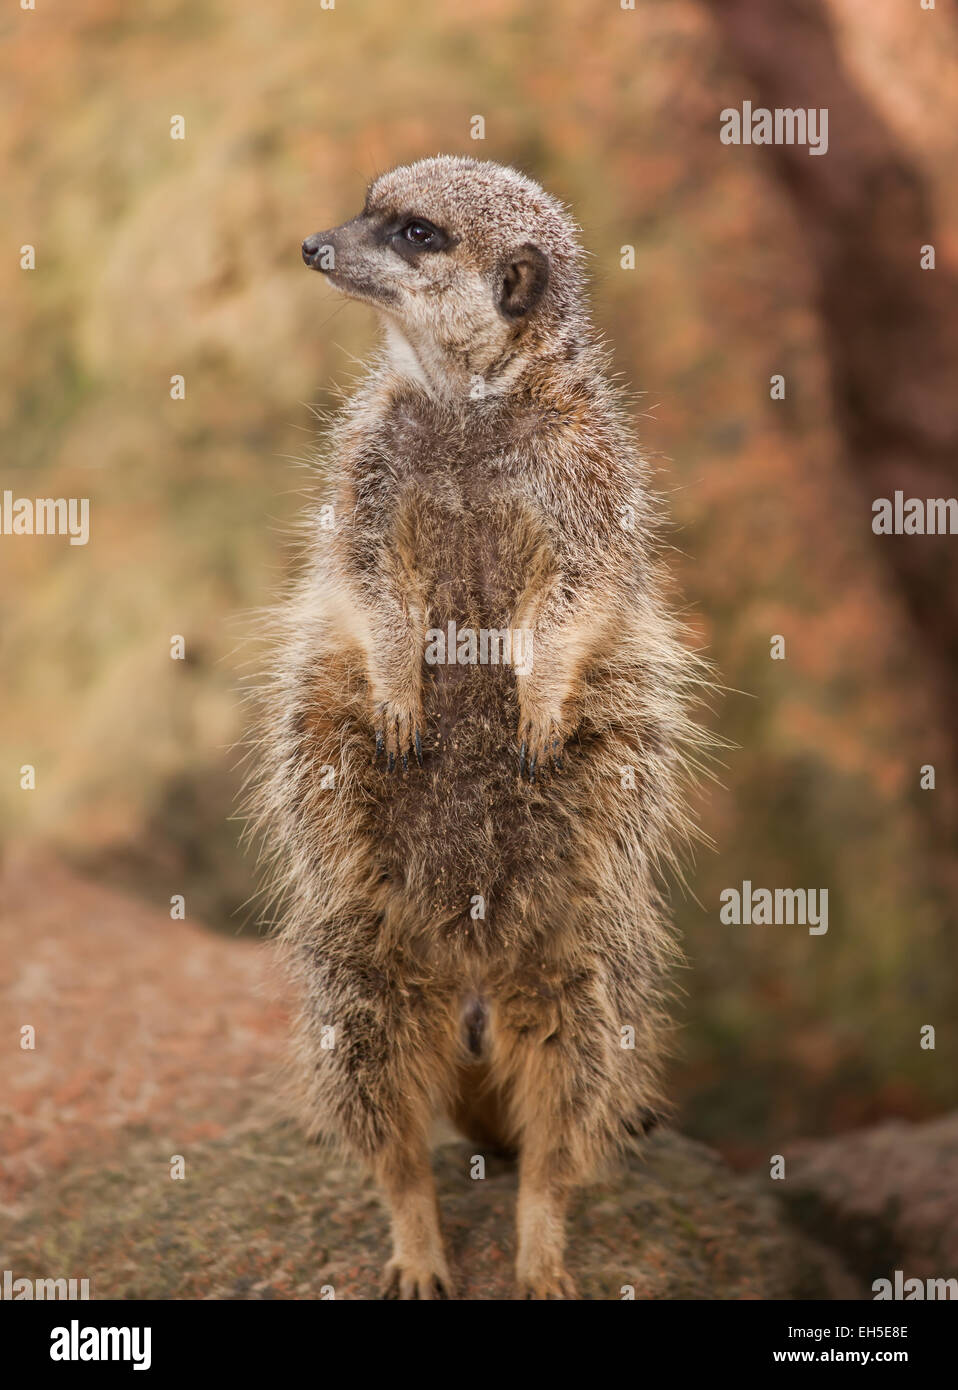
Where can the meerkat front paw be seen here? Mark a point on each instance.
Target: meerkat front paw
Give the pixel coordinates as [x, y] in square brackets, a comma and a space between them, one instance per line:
[398, 735]
[541, 741]
[404, 1279]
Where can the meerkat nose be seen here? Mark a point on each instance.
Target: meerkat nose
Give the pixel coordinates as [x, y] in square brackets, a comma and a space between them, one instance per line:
[311, 247]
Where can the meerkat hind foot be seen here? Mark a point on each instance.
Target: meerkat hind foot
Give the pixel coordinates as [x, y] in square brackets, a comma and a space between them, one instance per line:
[546, 1281]
[404, 1280]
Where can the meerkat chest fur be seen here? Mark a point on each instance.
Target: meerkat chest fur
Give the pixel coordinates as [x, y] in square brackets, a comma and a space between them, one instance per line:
[459, 502]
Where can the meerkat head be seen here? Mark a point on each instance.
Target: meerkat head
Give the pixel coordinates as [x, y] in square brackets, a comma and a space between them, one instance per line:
[474, 268]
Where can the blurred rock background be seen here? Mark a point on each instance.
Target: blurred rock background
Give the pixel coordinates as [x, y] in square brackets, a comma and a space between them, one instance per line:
[157, 256]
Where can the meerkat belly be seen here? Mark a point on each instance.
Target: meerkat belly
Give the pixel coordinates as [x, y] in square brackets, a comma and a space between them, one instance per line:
[472, 653]
[462, 834]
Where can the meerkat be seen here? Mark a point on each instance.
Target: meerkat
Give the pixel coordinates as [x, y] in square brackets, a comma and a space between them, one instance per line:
[467, 846]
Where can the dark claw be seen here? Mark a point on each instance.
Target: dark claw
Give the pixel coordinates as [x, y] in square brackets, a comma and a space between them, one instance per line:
[379, 743]
[522, 759]
[391, 763]
[556, 756]
[532, 770]
[418, 745]
[405, 763]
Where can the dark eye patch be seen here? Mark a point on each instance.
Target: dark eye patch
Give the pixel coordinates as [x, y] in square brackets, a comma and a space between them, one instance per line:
[412, 236]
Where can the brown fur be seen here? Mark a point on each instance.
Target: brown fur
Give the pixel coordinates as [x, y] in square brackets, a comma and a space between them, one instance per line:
[499, 511]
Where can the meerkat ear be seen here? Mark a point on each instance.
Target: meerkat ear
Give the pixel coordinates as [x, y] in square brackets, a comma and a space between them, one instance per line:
[523, 281]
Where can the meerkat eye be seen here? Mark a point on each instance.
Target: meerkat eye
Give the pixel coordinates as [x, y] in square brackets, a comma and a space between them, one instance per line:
[419, 233]
[410, 236]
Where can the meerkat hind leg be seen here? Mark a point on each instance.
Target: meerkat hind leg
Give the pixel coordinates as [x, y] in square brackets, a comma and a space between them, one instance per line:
[541, 1056]
[379, 1088]
[540, 1228]
[417, 1268]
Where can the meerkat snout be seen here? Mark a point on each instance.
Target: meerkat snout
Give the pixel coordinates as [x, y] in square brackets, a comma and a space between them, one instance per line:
[313, 246]
[473, 268]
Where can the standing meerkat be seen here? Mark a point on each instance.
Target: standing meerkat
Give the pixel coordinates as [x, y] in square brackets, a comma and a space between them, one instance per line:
[477, 728]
